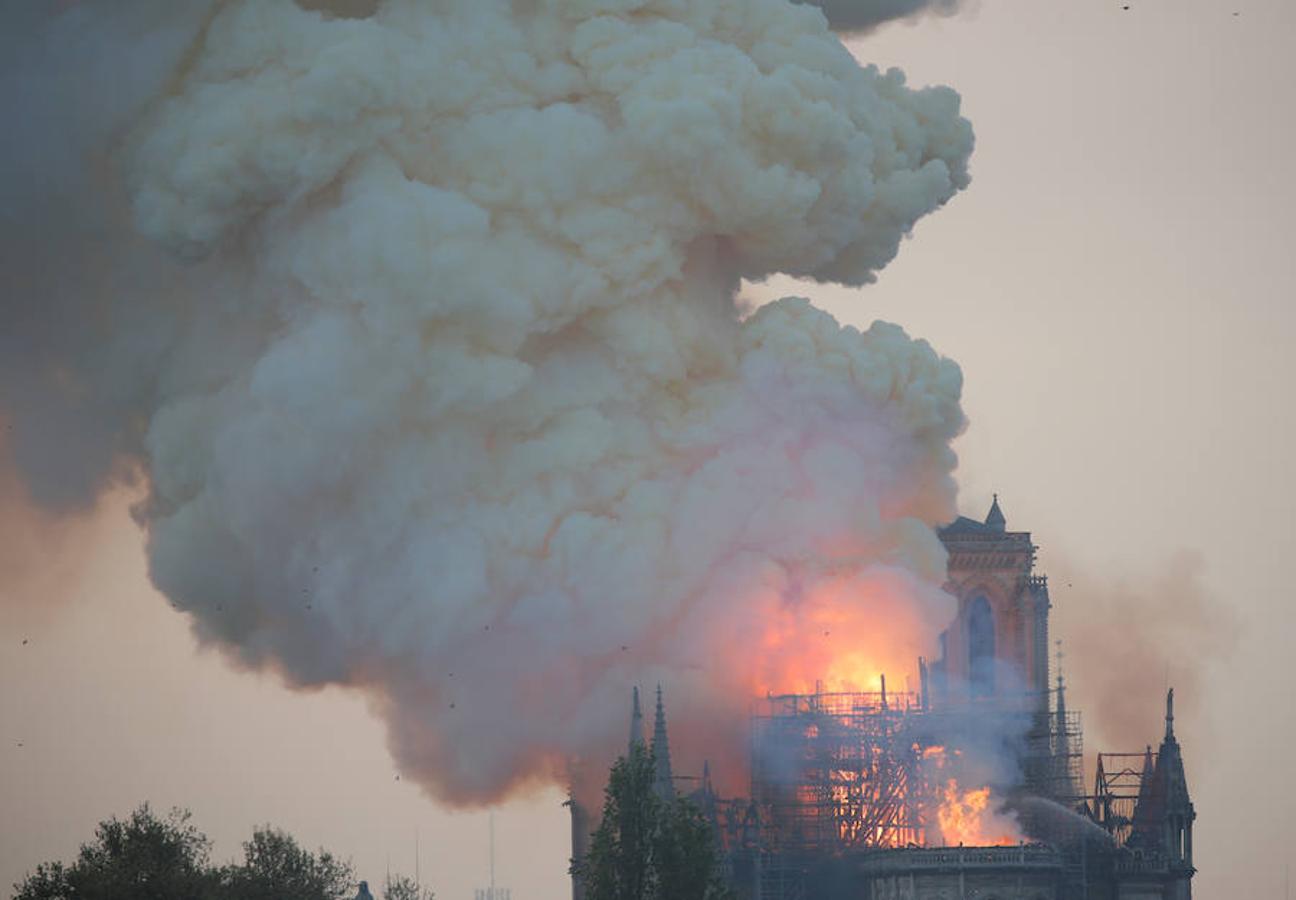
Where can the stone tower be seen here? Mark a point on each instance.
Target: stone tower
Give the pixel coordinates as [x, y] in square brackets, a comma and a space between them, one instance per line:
[997, 646]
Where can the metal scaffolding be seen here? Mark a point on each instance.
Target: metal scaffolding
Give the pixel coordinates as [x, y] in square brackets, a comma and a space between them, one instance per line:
[844, 776]
[1053, 765]
[833, 772]
[1118, 784]
[837, 771]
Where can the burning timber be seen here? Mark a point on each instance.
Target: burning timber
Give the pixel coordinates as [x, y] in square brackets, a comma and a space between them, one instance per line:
[969, 787]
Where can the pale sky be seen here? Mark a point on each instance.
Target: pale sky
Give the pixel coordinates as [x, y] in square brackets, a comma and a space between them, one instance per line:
[1117, 285]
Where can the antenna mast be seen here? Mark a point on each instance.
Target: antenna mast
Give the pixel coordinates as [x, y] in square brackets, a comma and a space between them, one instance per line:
[492, 892]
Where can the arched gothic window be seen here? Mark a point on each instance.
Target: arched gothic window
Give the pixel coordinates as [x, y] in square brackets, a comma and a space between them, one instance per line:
[981, 647]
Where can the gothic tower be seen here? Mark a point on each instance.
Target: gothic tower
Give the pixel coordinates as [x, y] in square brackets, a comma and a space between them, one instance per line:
[997, 646]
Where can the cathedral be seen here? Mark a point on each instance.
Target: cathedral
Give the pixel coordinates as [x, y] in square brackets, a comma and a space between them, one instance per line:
[856, 796]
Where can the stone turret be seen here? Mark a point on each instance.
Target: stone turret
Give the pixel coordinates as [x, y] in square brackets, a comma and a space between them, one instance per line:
[1177, 820]
[994, 519]
[1164, 814]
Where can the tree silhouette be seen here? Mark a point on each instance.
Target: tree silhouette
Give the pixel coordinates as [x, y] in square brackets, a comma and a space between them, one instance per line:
[142, 857]
[400, 887]
[648, 848]
[276, 867]
[145, 857]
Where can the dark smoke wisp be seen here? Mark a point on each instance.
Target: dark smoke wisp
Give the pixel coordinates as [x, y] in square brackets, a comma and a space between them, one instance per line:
[861, 15]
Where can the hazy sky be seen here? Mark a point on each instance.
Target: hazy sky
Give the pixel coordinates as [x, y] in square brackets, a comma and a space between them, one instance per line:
[1117, 285]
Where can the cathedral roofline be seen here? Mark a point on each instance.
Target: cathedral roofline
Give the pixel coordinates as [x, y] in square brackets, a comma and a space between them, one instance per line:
[993, 528]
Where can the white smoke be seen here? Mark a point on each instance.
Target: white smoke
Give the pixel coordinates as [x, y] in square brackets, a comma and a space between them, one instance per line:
[442, 389]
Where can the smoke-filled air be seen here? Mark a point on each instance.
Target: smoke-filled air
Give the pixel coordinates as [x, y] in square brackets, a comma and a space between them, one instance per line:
[419, 326]
[860, 15]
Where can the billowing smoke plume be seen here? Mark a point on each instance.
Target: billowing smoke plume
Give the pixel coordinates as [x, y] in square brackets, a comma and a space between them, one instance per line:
[858, 15]
[420, 322]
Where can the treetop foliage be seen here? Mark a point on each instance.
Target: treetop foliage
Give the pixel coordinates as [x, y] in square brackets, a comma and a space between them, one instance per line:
[143, 857]
[647, 847]
[147, 857]
[401, 887]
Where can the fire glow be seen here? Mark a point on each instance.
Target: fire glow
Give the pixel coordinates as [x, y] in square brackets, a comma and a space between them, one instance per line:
[830, 636]
[855, 771]
[966, 819]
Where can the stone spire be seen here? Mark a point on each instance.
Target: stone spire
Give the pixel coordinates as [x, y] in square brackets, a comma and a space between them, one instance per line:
[1164, 815]
[1171, 768]
[1149, 808]
[705, 796]
[636, 722]
[664, 783]
[995, 518]
[1062, 754]
[1060, 713]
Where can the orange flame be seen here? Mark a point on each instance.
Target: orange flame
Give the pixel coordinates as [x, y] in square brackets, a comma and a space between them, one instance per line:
[842, 633]
[966, 819]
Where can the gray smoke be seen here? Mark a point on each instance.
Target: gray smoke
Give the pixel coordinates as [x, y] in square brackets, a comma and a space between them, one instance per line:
[1130, 635]
[85, 319]
[418, 323]
[860, 15]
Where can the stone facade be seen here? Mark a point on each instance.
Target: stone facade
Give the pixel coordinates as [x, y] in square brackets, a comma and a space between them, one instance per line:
[997, 645]
[963, 873]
